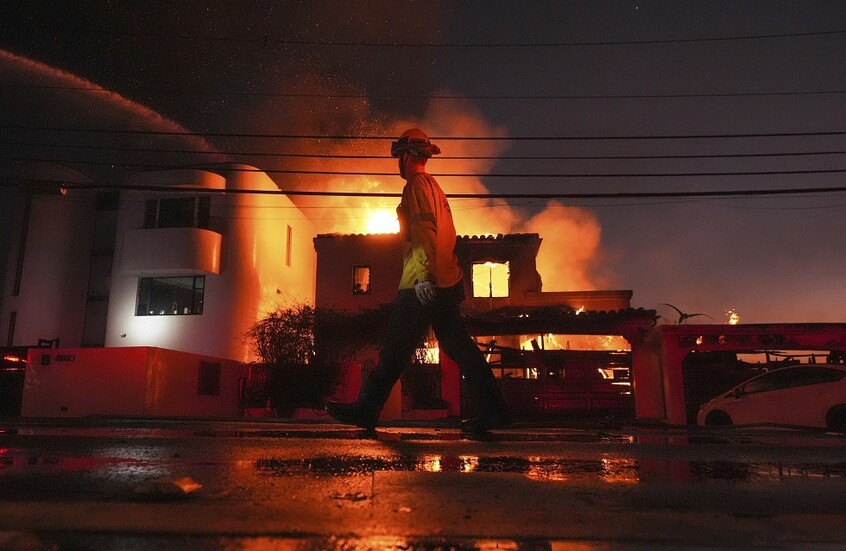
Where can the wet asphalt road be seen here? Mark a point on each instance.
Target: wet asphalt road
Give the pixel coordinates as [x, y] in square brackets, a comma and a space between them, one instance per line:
[99, 483]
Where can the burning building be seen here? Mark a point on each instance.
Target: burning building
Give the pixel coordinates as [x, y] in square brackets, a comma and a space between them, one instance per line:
[552, 351]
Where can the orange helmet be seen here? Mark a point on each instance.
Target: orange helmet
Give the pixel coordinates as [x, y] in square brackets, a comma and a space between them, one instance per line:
[416, 142]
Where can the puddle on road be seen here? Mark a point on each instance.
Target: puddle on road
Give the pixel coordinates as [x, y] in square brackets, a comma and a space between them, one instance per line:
[604, 468]
[624, 470]
[104, 542]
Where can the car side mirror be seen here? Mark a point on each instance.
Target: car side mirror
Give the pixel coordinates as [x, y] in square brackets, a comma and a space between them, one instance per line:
[738, 392]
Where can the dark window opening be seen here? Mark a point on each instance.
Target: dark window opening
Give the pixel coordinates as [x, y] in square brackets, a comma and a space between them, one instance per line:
[170, 296]
[361, 280]
[208, 383]
[178, 212]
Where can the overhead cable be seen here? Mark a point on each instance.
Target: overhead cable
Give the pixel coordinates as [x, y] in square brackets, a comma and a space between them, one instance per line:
[174, 91]
[441, 174]
[267, 40]
[442, 138]
[284, 154]
[337, 193]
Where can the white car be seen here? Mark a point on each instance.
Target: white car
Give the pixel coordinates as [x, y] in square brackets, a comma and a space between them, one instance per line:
[812, 395]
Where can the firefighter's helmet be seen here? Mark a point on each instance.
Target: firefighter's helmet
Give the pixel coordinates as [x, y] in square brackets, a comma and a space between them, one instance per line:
[416, 142]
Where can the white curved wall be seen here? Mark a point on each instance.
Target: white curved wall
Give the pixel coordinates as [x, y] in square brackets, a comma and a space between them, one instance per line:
[254, 277]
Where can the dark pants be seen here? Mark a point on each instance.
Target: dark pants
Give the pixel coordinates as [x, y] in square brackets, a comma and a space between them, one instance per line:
[409, 322]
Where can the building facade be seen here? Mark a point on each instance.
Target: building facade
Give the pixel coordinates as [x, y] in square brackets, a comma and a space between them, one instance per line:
[147, 264]
[526, 333]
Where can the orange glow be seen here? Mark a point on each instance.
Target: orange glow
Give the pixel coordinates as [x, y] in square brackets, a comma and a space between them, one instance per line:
[571, 235]
[432, 463]
[469, 463]
[11, 358]
[620, 471]
[733, 317]
[539, 471]
[550, 341]
[382, 221]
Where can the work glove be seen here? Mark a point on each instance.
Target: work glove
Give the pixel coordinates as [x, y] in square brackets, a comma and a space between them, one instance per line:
[425, 291]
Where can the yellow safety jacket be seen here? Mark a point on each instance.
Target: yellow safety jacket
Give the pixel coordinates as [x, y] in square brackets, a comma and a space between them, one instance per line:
[427, 233]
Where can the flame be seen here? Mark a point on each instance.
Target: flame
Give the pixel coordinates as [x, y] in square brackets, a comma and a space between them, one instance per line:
[570, 234]
[733, 317]
[382, 221]
[552, 341]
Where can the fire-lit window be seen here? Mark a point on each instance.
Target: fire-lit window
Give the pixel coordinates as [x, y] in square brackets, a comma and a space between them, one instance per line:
[177, 212]
[289, 241]
[361, 280]
[490, 279]
[170, 296]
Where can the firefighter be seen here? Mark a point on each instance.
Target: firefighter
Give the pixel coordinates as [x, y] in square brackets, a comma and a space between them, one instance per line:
[430, 292]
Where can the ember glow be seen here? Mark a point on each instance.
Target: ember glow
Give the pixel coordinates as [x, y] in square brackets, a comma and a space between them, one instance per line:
[733, 317]
[551, 341]
[382, 221]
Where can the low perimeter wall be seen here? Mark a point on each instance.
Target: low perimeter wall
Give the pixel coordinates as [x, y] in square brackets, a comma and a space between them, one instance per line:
[131, 381]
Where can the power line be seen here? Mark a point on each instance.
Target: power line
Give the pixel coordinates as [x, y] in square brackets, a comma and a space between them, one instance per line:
[560, 44]
[442, 138]
[267, 40]
[442, 174]
[325, 193]
[439, 158]
[174, 91]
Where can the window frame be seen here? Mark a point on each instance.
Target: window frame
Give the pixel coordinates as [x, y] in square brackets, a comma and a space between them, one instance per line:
[490, 280]
[200, 212]
[197, 291]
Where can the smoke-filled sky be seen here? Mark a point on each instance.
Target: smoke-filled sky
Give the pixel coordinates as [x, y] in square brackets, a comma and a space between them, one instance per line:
[602, 97]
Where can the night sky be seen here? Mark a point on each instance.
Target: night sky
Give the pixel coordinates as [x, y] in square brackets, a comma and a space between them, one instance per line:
[639, 97]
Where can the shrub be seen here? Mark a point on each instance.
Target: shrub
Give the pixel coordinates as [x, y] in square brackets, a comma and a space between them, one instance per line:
[303, 350]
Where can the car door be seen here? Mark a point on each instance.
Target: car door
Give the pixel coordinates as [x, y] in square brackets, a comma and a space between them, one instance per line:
[761, 399]
[809, 393]
[791, 395]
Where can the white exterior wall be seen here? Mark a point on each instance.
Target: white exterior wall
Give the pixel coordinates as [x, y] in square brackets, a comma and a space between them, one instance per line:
[253, 275]
[51, 301]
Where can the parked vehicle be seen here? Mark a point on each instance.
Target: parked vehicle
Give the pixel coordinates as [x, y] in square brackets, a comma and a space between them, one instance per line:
[806, 395]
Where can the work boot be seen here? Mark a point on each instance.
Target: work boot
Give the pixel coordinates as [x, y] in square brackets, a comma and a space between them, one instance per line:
[351, 414]
[484, 423]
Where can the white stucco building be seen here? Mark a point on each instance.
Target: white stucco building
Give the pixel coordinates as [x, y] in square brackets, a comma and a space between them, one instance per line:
[145, 264]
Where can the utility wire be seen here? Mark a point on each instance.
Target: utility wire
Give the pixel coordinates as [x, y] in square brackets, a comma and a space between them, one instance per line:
[444, 138]
[173, 91]
[441, 174]
[267, 40]
[325, 193]
[439, 158]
